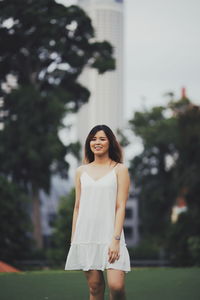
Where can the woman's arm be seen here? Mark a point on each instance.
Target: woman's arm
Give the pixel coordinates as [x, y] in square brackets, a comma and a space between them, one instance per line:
[77, 200]
[122, 196]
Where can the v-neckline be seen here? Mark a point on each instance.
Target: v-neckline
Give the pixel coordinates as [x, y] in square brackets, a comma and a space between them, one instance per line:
[96, 180]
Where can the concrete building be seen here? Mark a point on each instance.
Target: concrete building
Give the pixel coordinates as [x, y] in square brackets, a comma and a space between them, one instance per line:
[106, 101]
[131, 224]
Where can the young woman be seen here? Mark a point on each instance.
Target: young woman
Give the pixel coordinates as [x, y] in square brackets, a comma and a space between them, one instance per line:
[97, 240]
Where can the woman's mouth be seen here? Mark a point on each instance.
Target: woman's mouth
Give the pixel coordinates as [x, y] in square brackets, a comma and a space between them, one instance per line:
[98, 147]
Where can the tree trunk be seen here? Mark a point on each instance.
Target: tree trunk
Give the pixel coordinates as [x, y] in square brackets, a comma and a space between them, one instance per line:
[36, 218]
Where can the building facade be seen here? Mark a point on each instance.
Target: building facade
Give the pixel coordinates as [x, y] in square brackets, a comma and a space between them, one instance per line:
[131, 224]
[105, 105]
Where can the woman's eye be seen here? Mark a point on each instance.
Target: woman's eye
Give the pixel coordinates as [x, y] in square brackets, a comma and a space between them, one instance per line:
[101, 139]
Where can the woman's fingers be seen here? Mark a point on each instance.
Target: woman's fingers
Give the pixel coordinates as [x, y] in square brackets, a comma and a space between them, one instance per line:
[113, 255]
[117, 256]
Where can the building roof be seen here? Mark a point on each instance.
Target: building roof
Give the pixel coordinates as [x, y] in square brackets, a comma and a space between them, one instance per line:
[7, 268]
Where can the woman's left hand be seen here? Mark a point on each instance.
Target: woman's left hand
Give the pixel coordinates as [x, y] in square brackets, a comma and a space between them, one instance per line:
[113, 251]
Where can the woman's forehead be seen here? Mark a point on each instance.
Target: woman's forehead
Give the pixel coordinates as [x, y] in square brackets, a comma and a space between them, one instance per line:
[100, 133]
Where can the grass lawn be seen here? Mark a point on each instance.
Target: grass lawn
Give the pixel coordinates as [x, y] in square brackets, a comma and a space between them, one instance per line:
[141, 284]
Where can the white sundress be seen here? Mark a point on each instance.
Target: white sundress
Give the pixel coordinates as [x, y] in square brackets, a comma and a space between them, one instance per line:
[95, 226]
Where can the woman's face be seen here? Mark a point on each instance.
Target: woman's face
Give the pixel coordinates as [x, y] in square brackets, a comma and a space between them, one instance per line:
[99, 144]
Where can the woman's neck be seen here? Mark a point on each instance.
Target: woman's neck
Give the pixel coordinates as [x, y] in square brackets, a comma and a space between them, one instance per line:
[102, 160]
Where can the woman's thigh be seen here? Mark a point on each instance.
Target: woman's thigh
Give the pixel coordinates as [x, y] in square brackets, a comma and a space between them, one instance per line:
[116, 279]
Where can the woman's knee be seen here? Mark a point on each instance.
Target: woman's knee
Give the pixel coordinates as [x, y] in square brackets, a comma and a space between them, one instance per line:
[117, 289]
[96, 287]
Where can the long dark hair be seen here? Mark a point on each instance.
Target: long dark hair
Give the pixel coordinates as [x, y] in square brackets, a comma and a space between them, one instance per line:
[115, 151]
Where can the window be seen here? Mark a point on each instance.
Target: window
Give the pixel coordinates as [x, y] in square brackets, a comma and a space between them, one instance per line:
[51, 218]
[129, 213]
[128, 231]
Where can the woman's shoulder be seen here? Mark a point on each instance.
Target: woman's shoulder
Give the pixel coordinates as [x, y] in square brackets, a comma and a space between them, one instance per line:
[81, 168]
[121, 168]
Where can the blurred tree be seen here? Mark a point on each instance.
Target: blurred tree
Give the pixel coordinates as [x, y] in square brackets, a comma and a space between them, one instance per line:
[184, 241]
[123, 139]
[44, 48]
[15, 242]
[60, 240]
[188, 162]
[151, 171]
[169, 165]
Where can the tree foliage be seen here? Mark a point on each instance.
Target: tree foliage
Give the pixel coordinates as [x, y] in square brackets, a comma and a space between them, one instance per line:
[169, 164]
[183, 239]
[44, 48]
[60, 241]
[150, 171]
[15, 242]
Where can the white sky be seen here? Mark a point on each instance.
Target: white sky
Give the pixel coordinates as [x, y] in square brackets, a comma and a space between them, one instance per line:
[161, 55]
[161, 51]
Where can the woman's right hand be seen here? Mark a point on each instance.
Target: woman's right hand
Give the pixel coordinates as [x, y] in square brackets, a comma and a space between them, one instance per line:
[113, 251]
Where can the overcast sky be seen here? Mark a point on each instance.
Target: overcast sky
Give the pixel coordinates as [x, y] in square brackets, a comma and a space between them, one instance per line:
[161, 55]
[162, 51]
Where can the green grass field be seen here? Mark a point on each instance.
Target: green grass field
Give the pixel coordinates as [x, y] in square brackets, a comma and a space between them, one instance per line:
[141, 284]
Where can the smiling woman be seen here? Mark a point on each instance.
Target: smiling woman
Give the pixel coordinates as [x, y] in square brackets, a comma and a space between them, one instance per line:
[97, 242]
[100, 136]
[99, 142]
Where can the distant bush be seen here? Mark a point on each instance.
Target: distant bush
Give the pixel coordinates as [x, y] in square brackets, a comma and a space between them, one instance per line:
[147, 249]
[183, 242]
[194, 249]
[15, 229]
[60, 240]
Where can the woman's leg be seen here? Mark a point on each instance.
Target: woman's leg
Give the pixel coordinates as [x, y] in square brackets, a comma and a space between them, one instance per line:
[116, 284]
[96, 284]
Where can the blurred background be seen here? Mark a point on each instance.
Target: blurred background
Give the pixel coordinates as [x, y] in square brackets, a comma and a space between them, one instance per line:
[66, 66]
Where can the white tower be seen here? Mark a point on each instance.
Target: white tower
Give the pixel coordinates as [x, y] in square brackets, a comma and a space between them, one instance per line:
[105, 105]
